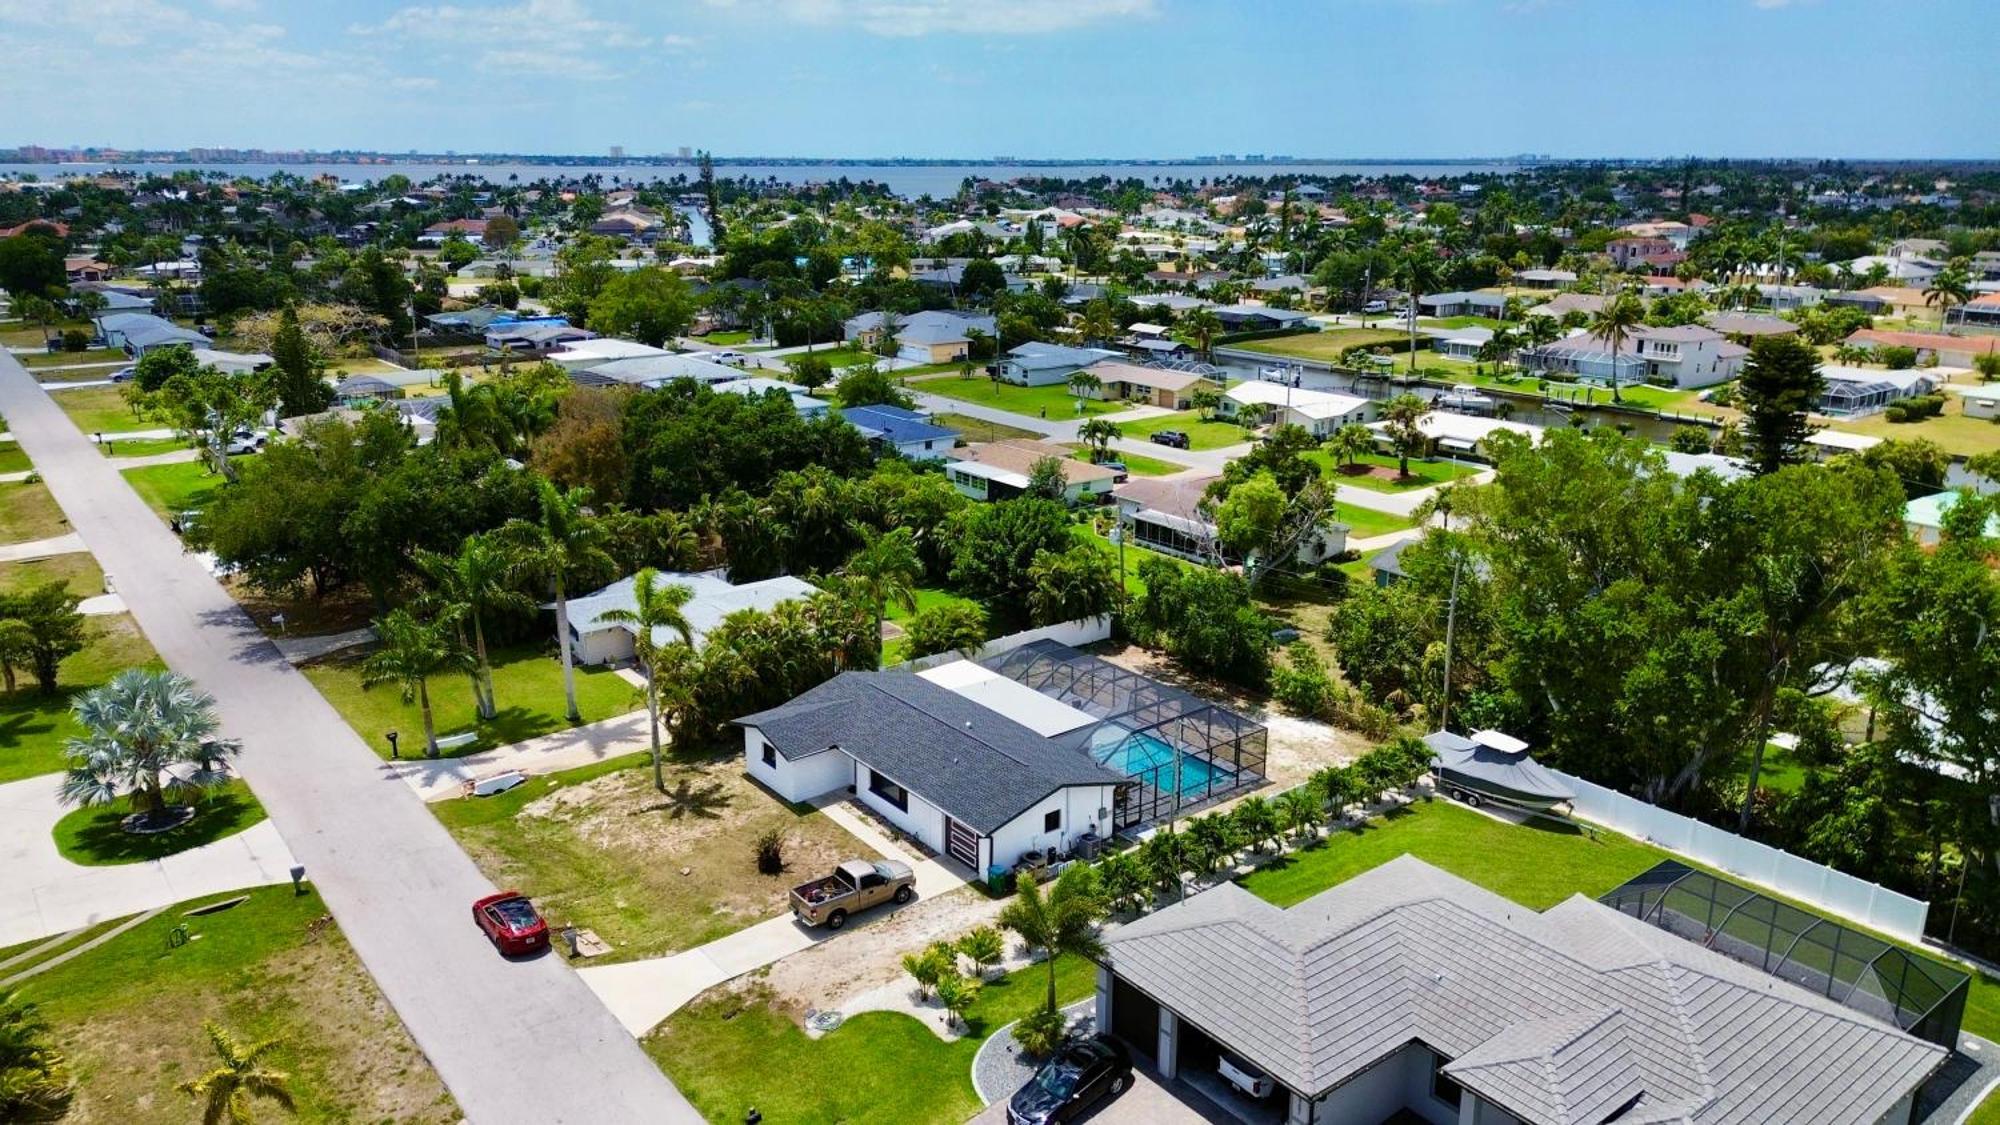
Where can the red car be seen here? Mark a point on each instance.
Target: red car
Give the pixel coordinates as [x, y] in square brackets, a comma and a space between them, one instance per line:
[511, 923]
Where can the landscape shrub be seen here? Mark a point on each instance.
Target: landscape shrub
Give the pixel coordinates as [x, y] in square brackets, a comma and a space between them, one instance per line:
[1897, 358]
[75, 340]
[770, 848]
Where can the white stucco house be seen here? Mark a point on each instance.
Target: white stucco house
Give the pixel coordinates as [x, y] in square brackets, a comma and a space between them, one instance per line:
[596, 640]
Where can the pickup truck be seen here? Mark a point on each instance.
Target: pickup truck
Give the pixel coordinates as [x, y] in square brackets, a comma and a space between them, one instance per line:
[855, 885]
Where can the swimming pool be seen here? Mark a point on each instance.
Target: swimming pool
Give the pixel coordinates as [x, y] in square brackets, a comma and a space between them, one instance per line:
[1150, 760]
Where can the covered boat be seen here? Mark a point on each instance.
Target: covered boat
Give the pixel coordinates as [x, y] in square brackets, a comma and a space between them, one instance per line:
[1490, 766]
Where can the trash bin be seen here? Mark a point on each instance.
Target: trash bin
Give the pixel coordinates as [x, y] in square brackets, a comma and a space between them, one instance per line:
[996, 879]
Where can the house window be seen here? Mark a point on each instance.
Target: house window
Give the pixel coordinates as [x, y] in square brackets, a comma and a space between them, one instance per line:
[889, 791]
[1443, 1087]
[1052, 820]
[770, 755]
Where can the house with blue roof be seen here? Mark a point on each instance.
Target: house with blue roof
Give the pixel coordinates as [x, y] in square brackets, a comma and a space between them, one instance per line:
[907, 432]
[1039, 364]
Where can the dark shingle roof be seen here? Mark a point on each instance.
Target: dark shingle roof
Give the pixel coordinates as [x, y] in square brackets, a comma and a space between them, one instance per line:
[1553, 1016]
[974, 763]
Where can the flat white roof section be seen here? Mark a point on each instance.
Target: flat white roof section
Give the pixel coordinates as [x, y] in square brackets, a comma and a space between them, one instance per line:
[1045, 715]
[1494, 740]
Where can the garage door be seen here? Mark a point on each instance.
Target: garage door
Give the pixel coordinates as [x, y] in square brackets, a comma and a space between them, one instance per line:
[1135, 1018]
[962, 843]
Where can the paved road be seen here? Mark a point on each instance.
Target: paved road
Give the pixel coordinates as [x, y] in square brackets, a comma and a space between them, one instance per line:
[514, 1041]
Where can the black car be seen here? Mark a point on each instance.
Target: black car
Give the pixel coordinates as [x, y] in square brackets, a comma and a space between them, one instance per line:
[1175, 438]
[1071, 1082]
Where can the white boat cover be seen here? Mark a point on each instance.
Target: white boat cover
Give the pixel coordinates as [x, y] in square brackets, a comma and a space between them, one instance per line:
[1498, 762]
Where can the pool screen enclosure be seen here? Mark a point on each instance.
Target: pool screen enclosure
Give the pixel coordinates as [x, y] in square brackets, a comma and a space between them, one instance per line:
[1917, 994]
[1181, 750]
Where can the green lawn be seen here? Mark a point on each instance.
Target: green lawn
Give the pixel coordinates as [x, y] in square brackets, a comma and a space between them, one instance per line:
[92, 836]
[1140, 465]
[175, 488]
[1535, 865]
[834, 356]
[1953, 430]
[1461, 322]
[527, 684]
[129, 1014]
[13, 459]
[78, 568]
[34, 727]
[608, 851]
[100, 410]
[726, 339]
[1423, 474]
[1327, 345]
[140, 447]
[979, 429]
[1201, 435]
[878, 1066]
[1365, 523]
[1029, 402]
[67, 359]
[28, 513]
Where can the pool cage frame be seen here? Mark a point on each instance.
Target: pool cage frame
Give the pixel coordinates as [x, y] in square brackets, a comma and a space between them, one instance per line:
[1917, 994]
[1131, 706]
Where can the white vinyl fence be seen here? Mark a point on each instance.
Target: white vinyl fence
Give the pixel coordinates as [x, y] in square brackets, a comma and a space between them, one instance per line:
[1877, 907]
[1082, 631]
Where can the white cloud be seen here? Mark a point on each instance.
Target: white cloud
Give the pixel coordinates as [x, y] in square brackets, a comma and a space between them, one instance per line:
[529, 38]
[910, 18]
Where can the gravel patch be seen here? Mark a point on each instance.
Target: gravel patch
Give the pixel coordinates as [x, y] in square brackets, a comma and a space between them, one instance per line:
[1000, 1068]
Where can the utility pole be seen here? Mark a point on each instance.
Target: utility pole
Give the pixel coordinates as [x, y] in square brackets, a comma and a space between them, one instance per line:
[1450, 623]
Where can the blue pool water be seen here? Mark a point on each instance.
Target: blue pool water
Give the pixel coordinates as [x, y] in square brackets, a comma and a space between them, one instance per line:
[1152, 761]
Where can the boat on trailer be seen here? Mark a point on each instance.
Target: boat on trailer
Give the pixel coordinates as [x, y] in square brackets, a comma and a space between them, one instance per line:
[1490, 767]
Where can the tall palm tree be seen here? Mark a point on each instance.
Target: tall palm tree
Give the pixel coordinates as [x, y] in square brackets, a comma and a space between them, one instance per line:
[412, 652]
[1615, 322]
[1405, 415]
[1064, 922]
[1499, 348]
[1099, 433]
[1085, 383]
[149, 735]
[1419, 272]
[226, 1091]
[565, 542]
[473, 584]
[656, 607]
[1951, 286]
[34, 1080]
[1204, 326]
[1206, 400]
[886, 569]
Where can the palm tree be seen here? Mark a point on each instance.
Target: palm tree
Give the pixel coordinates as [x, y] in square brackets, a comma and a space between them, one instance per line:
[225, 1092]
[474, 583]
[149, 735]
[1419, 274]
[1951, 286]
[34, 1082]
[1350, 443]
[1064, 922]
[1615, 322]
[565, 542]
[1084, 383]
[412, 652]
[1405, 415]
[1204, 326]
[1099, 433]
[39, 309]
[1097, 325]
[1499, 348]
[886, 570]
[656, 606]
[1206, 401]
[1542, 331]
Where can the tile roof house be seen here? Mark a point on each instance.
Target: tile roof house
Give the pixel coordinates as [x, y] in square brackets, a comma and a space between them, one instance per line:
[1955, 351]
[1410, 989]
[1156, 386]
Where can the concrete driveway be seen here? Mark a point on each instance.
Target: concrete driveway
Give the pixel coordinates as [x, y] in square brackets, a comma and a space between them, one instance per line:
[47, 894]
[1149, 1101]
[513, 1040]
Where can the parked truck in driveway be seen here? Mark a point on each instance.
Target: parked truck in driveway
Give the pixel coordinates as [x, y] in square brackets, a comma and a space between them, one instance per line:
[854, 886]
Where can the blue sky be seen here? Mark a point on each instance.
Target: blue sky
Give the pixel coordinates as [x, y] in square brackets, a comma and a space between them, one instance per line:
[1030, 78]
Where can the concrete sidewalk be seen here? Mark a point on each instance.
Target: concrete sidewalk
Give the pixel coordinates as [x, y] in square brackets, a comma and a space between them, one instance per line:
[439, 779]
[71, 544]
[47, 894]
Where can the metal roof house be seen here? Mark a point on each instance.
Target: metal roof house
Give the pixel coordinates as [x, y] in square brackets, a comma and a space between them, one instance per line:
[137, 333]
[1471, 303]
[1410, 990]
[931, 336]
[594, 640]
[1038, 364]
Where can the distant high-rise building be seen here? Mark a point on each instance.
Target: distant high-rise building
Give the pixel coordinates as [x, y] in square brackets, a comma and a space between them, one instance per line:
[685, 152]
[617, 152]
